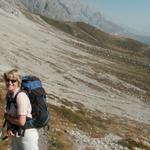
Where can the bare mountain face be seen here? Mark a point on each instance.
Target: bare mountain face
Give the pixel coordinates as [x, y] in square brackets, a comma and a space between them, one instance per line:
[73, 10]
[72, 69]
[64, 10]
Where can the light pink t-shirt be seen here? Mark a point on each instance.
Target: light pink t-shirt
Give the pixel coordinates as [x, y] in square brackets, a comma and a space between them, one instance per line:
[23, 105]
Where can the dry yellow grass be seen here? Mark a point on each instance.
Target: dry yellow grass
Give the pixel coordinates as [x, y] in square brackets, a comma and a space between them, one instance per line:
[96, 124]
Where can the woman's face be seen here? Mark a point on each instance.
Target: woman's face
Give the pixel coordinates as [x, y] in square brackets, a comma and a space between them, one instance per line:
[12, 85]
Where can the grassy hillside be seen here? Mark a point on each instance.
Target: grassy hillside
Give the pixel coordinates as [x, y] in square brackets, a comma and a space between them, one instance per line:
[97, 37]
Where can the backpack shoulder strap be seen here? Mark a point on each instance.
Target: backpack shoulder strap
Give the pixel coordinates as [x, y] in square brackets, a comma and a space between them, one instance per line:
[9, 100]
[16, 95]
[15, 98]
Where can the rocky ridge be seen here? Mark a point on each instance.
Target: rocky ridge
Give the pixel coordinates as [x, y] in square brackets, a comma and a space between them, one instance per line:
[64, 10]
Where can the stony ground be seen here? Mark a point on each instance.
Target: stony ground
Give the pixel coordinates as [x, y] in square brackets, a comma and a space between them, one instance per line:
[43, 139]
[108, 142]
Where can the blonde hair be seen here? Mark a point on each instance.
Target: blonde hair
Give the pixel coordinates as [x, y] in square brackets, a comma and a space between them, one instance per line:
[13, 74]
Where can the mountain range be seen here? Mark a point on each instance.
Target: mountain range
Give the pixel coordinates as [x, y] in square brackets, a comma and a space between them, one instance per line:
[79, 10]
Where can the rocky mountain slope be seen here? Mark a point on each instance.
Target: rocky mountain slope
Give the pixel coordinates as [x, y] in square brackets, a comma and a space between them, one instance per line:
[75, 73]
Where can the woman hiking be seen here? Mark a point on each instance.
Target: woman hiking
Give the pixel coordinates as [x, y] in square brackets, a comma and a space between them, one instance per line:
[17, 113]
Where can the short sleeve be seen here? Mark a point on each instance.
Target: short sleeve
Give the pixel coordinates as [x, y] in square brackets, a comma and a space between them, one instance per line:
[23, 104]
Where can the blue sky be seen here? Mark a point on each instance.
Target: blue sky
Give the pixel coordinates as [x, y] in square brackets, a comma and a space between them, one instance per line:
[131, 13]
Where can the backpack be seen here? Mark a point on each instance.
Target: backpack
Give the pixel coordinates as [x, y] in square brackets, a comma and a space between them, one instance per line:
[37, 95]
[32, 86]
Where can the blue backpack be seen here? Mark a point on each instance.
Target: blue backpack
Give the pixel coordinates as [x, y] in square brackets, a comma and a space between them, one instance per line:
[37, 95]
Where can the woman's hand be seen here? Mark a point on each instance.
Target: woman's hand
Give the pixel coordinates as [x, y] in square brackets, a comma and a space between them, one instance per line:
[10, 133]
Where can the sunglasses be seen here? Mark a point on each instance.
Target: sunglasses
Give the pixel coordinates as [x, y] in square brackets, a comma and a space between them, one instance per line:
[12, 81]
